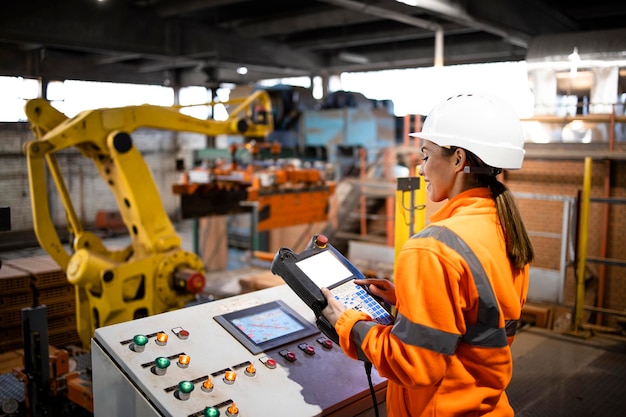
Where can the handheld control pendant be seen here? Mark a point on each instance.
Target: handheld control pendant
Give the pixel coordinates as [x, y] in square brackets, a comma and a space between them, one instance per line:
[321, 265]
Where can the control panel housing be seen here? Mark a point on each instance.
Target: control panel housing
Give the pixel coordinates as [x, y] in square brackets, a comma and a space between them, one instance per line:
[189, 363]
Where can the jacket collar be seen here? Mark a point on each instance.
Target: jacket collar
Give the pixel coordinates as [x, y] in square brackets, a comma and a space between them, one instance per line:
[474, 197]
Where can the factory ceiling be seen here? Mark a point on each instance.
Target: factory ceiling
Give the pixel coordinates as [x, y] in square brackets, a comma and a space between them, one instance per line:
[205, 42]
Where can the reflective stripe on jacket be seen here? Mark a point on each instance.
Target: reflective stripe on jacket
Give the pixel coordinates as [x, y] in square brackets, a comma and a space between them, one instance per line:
[458, 302]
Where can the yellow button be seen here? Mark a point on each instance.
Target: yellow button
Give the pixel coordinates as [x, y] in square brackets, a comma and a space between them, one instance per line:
[161, 339]
[229, 377]
[250, 370]
[183, 361]
[207, 386]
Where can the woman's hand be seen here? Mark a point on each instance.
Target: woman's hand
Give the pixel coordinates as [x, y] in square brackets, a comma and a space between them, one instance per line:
[380, 287]
[334, 309]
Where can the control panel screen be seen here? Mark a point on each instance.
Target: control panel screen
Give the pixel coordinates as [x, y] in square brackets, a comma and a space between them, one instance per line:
[324, 269]
[266, 326]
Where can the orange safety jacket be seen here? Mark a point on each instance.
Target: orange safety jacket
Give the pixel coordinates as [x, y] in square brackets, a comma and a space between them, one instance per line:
[458, 303]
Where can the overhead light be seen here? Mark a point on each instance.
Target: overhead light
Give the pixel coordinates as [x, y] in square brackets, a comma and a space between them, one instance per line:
[354, 58]
[574, 59]
[242, 70]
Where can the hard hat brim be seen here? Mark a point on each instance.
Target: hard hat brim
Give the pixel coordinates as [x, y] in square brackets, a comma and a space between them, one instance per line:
[495, 155]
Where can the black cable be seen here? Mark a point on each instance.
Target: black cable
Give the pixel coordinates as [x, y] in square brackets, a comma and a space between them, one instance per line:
[368, 372]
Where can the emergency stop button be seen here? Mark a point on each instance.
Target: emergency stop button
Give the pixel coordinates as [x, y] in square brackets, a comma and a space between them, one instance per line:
[321, 241]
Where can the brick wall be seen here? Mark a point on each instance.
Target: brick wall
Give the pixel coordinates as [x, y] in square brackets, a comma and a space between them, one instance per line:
[565, 178]
[89, 193]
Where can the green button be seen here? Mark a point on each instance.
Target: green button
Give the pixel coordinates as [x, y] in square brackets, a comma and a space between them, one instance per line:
[162, 362]
[211, 412]
[140, 340]
[185, 387]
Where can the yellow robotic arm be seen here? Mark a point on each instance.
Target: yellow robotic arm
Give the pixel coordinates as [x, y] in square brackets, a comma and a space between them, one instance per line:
[153, 274]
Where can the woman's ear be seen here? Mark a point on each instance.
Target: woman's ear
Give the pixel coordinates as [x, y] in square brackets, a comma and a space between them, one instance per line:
[460, 159]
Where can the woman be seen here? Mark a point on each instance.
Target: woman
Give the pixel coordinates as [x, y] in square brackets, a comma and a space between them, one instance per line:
[461, 282]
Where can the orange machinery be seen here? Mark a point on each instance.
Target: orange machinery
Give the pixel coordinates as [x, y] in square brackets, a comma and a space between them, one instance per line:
[283, 195]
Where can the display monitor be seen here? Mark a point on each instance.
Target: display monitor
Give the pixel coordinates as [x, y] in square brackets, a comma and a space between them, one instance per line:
[324, 269]
[266, 326]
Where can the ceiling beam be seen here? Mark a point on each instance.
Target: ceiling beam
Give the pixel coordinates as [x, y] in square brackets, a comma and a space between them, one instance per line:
[421, 56]
[295, 23]
[177, 7]
[386, 13]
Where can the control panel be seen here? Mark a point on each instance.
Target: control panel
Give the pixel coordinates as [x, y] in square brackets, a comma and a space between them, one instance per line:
[253, 355]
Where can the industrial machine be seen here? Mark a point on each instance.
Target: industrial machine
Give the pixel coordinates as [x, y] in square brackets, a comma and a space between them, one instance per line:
[153, 274]
[278, 193]
[257, 354]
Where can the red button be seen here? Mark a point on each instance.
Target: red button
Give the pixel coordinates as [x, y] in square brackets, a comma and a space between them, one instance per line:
[267, 361]
[290, 356]
[326, 343]
[309, 350]
[183, 334]
[321, 241]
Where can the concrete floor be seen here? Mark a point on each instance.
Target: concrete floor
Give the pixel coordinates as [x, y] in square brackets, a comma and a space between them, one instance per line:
[560, 375]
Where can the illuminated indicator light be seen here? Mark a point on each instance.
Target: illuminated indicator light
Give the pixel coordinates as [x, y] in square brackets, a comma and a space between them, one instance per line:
[183, 361]
[207, 386]
[139, 343]
[160, 365]
[229, 377]
[184, 390]
[250, 370]
[232, 410]
[183, 334]
[161, 339]
[211, 412]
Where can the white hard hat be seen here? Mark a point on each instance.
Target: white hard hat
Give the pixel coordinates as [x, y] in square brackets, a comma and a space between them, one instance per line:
[483, 124]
